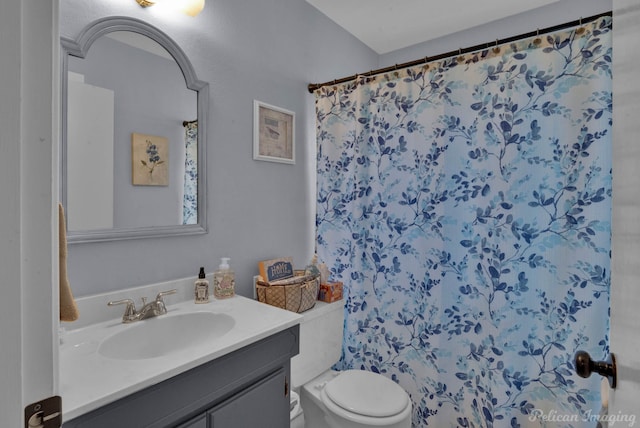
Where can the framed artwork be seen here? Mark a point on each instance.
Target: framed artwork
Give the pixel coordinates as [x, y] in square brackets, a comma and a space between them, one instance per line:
[273, 133]
[149, 160]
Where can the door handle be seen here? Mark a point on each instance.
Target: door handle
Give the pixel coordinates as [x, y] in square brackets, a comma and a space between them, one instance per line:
[607, 368]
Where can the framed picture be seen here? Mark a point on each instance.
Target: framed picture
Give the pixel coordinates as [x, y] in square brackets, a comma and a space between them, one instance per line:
[273, 133]
[149, 160]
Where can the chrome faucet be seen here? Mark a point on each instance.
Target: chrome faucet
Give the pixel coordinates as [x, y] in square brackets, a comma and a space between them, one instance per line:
[148, 310]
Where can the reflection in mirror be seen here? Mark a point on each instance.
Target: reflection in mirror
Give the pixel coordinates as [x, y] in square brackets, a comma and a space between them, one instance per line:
[133, 161]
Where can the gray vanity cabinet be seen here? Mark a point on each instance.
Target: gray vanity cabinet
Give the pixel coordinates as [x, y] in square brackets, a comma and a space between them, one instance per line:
[246, 388]
[250, 407]
[197, 422]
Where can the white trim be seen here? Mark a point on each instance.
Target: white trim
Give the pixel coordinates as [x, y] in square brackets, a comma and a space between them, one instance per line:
[625, 245]
[28, 176]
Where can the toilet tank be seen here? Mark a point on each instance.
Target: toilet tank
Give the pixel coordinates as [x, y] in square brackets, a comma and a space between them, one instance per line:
[320, 341]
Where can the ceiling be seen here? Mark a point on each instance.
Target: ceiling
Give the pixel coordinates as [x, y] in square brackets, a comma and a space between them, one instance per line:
[388, 25]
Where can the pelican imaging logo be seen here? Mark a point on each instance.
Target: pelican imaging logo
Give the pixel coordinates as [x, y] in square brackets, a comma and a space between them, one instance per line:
[606, 419]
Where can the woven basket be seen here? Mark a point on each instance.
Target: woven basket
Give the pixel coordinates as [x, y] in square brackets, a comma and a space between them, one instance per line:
[297, 295]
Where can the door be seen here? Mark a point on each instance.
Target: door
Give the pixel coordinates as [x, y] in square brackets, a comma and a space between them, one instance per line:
[29, 42]
[625, 276]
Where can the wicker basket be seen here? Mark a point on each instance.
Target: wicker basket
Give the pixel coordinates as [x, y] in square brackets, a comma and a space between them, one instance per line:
[296, 294]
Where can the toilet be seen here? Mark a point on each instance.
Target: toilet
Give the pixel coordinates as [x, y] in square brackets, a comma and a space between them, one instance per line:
[341, 399]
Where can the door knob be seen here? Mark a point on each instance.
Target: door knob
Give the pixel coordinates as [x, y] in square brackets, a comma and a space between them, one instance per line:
[607, 368]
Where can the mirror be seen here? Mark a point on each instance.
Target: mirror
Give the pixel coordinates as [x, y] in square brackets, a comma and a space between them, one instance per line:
[133, 135]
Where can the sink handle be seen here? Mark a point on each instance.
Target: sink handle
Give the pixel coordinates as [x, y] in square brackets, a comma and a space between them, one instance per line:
[165, 293]
[161, 308]
[129, 311]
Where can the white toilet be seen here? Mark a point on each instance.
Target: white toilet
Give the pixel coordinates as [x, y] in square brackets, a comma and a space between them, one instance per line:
[345, 399]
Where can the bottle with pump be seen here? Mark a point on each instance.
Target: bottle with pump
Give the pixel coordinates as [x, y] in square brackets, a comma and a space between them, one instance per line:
[224, 280]
[202, 288]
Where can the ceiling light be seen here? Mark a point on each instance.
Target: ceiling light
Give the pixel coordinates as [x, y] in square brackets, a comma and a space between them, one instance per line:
[190, 7]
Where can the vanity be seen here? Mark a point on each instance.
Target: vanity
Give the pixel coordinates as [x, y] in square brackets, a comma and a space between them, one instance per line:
[237, 376]
[221, 364]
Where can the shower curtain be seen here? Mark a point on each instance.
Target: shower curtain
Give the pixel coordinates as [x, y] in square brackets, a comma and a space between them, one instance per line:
[190, 195]
[466, 207]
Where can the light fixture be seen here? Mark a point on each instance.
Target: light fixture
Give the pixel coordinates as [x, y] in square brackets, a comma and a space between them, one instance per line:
[193, 7]
[145, 3]
[190, 7]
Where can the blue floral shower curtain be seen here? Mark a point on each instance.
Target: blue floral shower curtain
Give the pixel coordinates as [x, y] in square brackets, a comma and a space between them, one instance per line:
[190, 195]
[466, 206]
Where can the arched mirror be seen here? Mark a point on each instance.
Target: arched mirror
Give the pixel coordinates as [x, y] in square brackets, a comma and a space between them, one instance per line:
[133, 135]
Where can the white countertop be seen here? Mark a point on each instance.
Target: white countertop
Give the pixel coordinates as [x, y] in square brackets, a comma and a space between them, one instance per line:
[89, 381]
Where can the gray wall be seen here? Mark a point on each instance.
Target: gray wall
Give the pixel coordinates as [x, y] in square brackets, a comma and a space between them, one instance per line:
[267, 50]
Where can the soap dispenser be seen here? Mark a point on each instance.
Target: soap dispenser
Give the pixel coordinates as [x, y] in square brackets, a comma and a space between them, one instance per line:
[202, 288]
[224, 280]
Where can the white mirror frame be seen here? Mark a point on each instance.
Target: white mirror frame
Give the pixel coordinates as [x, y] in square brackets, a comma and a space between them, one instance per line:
[79, 48]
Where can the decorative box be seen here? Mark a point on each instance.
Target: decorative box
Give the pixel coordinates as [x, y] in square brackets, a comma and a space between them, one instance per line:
[330, 292]
[276, 269]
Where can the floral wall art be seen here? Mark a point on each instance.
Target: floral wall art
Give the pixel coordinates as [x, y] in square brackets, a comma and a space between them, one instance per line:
[149, 160]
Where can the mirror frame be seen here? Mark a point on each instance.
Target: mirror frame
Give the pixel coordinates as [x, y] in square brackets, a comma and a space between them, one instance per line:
[79, 48]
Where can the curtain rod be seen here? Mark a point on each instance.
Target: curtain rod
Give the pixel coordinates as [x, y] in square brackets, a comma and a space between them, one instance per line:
[313, 86]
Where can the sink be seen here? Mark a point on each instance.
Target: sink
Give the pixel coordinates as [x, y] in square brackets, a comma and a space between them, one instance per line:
[164, 335]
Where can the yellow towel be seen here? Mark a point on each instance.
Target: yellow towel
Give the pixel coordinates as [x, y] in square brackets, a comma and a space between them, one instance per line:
[68, 308]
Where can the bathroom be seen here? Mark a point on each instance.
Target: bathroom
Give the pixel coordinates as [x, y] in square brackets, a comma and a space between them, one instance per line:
[297, 46]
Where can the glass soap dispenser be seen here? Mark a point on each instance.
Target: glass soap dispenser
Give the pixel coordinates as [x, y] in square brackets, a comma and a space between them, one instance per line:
[224, 281]
[202, 288]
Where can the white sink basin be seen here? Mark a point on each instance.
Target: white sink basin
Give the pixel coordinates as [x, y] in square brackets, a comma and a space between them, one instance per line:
[164, 335]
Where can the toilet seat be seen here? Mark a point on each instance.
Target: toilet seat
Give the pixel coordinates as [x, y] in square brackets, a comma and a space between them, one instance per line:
[366, 397]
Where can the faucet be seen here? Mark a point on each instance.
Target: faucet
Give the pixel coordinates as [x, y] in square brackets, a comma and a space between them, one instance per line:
[148, 310]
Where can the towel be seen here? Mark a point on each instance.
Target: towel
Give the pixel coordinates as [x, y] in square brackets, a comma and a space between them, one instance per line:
[68, 308]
